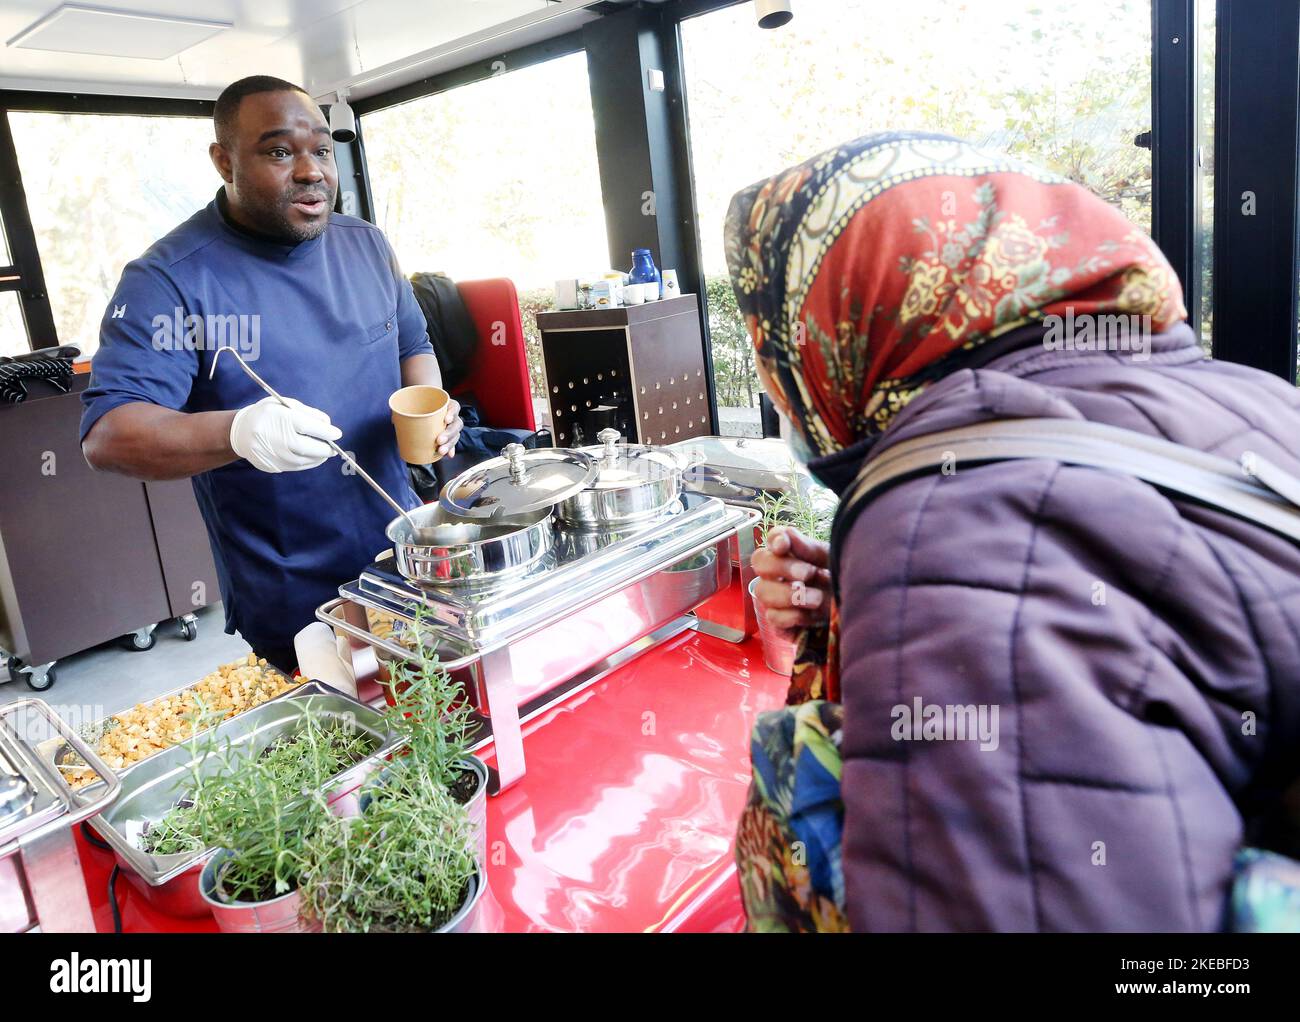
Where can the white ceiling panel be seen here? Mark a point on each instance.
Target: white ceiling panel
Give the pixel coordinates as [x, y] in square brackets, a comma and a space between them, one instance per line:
[320, 43]
[76, 29]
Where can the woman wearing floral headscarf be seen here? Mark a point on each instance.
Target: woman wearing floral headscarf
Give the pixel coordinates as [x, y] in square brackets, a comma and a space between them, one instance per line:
[1136, 657]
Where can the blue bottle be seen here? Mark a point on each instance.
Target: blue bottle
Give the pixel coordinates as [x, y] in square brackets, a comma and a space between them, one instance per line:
[643, 268]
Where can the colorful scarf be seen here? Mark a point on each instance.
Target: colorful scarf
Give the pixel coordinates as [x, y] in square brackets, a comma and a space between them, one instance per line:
[868, 272]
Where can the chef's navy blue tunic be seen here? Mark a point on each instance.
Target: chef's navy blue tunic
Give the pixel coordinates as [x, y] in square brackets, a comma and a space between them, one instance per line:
[327, 321]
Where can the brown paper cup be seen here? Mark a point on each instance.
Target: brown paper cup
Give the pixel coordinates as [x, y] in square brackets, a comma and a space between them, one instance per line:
[419, 415]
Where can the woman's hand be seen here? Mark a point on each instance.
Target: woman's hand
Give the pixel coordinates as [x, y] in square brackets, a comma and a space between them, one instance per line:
[794, 579]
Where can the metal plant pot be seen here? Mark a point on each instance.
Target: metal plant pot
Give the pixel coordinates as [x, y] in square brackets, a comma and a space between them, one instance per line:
[278, 915]
[778, 651]
[466, 919]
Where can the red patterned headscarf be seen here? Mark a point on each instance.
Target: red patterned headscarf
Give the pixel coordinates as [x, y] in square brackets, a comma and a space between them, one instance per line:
[875, 268]
[864, 273]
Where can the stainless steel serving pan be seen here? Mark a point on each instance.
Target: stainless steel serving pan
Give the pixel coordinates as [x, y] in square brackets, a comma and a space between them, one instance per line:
[450, 549]
[150, 789]
[633, 483]
[740, 470]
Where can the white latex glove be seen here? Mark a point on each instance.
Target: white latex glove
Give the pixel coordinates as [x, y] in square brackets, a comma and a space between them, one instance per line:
[324, 657]
[274, 438]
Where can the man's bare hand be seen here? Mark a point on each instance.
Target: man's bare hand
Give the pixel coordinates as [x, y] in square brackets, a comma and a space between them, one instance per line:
[794, 585]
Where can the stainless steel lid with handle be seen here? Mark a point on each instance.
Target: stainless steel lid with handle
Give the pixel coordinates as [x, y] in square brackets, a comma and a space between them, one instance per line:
[622, 464]
[634, 482]
[518, 482]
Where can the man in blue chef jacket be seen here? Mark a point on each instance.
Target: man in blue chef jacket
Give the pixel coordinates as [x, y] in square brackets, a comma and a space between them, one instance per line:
[315, 301]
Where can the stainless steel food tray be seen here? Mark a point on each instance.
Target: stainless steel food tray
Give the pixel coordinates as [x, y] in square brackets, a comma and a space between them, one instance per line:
[152, 787]
[59, 754]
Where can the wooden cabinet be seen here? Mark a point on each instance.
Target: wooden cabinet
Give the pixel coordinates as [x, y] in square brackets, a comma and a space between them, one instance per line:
[644, 361]
[86, 556]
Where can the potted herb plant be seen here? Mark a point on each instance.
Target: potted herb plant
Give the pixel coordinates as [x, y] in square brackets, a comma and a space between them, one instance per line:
[407, 863]
[258, 808]
[412, 860]
[799, 507]
[429, 712]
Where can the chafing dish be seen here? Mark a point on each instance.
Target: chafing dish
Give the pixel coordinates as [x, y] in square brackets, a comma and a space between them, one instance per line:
[41, 883]
[597, 597]
[740, 470]
[152, 788]
[492, 522]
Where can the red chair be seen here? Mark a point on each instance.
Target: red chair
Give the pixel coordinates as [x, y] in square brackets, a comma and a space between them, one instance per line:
[498, 379]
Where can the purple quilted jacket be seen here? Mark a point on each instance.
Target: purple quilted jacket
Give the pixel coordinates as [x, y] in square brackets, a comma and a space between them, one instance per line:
[1135, 661]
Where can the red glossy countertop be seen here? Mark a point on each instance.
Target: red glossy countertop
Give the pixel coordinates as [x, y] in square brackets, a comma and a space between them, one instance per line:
[626, 818]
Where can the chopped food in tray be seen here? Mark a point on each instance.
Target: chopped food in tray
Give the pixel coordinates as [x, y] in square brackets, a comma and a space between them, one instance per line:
[126, 738]
[384, 625]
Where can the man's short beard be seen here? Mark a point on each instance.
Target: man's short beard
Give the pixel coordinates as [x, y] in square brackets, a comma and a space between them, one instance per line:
[273, 219]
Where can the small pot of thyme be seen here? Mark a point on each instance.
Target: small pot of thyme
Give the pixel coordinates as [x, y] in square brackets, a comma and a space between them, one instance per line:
[406, 864]
[798, 508]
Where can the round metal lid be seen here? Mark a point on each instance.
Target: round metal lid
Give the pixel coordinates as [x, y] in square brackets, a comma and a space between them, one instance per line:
[518, 482]
[620, 464]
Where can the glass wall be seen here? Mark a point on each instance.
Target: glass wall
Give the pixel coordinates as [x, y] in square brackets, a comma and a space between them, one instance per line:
[100, 190]
[495, 179]
[13, 335]
[1060, 82]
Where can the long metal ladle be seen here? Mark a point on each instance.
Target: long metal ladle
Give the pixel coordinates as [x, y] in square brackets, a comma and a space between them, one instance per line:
[416, 531]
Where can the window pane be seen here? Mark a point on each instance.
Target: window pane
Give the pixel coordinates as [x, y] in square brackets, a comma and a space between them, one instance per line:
[101, 190]
[1064, 83]
[13, 335]
[4, 246]
[495, 179]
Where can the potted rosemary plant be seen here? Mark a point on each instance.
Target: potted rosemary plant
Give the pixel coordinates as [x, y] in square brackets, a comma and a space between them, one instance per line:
[258, 807]
[429, 712]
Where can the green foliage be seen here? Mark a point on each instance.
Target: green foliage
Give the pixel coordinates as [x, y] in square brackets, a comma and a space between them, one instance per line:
[406, 862]
[291, 762]
[734, 374]
[263, 807]
[798, 507]
[403, 865]
[530, 304]
[430, 713]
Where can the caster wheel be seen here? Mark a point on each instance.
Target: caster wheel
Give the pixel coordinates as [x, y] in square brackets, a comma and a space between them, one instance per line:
[190, 630]
[139, 642]
[13, 665]
[40, 678]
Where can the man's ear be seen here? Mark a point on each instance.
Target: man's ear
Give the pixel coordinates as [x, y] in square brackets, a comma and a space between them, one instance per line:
[221, 160]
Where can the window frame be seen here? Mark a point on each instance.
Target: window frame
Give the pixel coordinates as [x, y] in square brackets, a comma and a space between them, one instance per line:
[1257, 151]
[26, 275]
